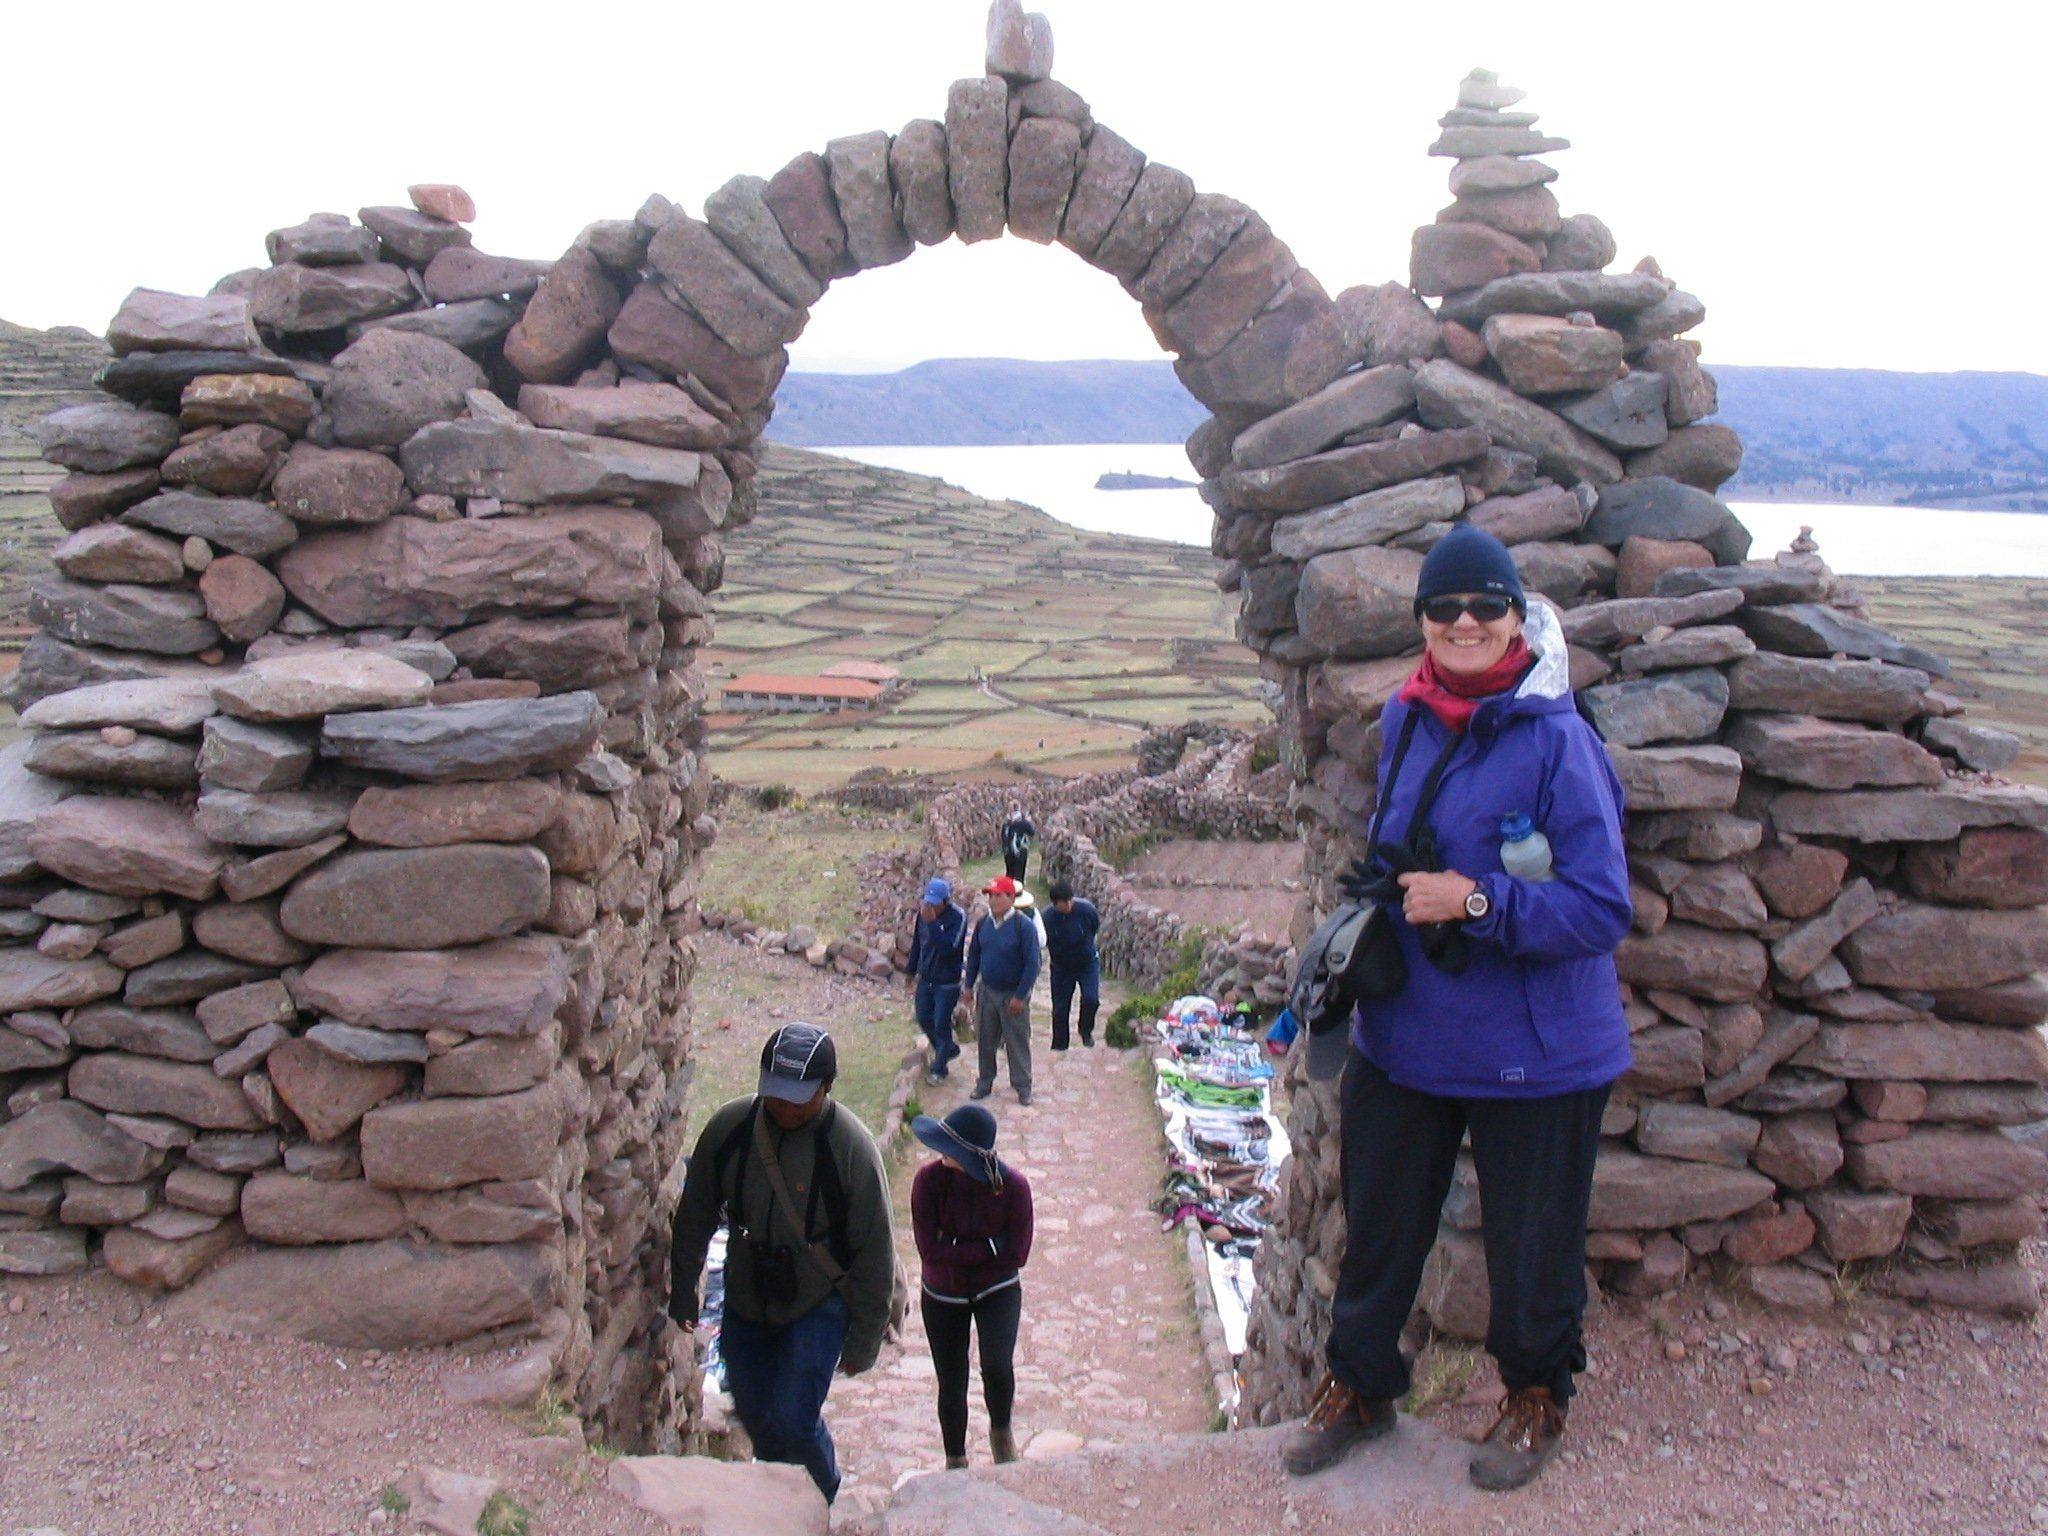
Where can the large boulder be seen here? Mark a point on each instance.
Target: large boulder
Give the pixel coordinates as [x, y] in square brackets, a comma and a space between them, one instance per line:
[564, 324]
[149, 1085]
[391, 383]
[434, 815]
[1823, 754]
[1632, 1193]
[127, 847]
[512, 462]
[395, 1294]
[1663, 508]
[446, 1143]
[151, 320]
[1936, 949]
[105, 435]
[1451, 396]
[306, 685]
[66, 1136]
[328, 1093]
[483, 739]
[418, 898]
[1359, 602]
[410, 571]
[511, 987]
[168, 621]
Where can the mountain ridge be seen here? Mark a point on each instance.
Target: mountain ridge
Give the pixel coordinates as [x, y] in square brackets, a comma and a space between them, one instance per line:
[1874, 436]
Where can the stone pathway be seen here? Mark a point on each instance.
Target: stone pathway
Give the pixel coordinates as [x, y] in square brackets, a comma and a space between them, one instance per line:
[1109, 1352]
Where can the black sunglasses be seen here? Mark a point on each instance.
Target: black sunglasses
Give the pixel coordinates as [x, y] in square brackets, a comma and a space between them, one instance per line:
[1445, 610]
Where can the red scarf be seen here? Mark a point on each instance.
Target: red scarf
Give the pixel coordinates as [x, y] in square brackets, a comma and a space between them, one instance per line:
[1454, 699]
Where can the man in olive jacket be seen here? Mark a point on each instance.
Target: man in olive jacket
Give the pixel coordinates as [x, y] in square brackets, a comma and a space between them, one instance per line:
[809, 1269]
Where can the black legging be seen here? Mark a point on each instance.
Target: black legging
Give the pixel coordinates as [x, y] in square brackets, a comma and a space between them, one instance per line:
[946, 1325]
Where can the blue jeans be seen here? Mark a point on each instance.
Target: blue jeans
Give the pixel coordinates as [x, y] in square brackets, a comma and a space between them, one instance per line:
[935, 1004]
[779, 1377]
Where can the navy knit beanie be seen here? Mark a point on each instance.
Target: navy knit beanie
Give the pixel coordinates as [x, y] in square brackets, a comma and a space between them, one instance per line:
[1469, 559]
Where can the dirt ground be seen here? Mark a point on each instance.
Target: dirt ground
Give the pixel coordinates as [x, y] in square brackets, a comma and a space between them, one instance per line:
[1877, 1419]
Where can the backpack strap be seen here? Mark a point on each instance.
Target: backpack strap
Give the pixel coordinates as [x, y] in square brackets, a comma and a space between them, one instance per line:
[820, 1255]
[723, 1158]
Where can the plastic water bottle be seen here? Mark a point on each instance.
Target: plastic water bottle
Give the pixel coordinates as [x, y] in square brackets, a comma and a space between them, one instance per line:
[1524, 851]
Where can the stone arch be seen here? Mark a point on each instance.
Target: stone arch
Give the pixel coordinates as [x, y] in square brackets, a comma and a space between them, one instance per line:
[385, 968]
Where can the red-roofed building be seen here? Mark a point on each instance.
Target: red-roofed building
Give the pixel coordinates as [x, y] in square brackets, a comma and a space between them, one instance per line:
[758, 692]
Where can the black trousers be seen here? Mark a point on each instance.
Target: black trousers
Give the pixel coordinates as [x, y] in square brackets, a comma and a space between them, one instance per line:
[946, 1327]
[1089, 979]
[1534, 1158]
[1013, 863]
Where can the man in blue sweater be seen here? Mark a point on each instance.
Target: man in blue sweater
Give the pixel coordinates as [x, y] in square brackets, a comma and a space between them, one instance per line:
[1071, 924]
[1002, 965]
[935, 953]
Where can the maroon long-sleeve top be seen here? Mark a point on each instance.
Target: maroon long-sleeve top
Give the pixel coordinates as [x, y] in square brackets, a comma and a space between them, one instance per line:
[972, 1239]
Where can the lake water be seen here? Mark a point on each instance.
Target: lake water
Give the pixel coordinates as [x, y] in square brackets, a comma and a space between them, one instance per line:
[1857, 541]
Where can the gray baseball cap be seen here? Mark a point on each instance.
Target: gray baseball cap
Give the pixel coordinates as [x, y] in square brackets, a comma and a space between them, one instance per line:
[796, 1059]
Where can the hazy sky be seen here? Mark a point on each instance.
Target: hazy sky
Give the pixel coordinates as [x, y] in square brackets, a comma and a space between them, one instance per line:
[1836, 181]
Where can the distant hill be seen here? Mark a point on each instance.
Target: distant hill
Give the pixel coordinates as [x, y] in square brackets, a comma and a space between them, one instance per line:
[1812, 434]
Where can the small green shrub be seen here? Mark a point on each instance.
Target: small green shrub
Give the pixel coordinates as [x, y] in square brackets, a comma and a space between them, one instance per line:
[776, 797]
[1121, 1030]
[391, 1501]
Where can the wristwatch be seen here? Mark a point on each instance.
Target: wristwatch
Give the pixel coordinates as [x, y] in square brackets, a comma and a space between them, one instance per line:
[1476, 905]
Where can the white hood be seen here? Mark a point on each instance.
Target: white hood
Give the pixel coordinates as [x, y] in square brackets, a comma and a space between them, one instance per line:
[1551, 677]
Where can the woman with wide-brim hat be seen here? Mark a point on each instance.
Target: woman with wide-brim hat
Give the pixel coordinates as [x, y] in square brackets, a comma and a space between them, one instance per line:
[971, 1213]
[1497, 850]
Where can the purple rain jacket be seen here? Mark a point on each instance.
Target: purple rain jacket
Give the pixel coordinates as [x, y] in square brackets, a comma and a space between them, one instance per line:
[1538, 1010]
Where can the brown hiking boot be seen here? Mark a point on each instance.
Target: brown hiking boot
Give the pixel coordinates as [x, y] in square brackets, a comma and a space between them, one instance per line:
[1523, 1439]
[1337, 1420]
[1002, 1445]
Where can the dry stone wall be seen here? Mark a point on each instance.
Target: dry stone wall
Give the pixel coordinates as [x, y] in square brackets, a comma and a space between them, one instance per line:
[348, 877]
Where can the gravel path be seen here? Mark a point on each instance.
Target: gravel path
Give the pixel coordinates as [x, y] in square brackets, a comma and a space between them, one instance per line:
[1108, 1352]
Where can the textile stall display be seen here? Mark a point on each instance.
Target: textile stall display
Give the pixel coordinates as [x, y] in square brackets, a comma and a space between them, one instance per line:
[1214, 1088]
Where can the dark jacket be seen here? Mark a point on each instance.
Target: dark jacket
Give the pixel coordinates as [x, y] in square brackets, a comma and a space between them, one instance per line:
[1070, 936]
[971, 1238]
[1017, 835]
[865, 1225]
[1538, 1010]
[1004, 956]
[937, 946]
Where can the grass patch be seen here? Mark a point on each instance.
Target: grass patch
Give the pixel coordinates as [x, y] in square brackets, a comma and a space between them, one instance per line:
[1121, 1029]
[391, 1501]
[503, 1515]
[1446, 1370]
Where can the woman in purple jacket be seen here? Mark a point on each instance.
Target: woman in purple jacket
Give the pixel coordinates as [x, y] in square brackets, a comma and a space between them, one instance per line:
[972, 1216]
[1499, 834]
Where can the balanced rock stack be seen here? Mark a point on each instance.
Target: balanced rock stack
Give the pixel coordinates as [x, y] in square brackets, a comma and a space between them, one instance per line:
[1831, 983]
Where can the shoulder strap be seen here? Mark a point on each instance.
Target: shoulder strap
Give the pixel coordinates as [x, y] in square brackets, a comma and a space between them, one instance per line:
[819, 1254]
[729, 1149]
[1386, 788]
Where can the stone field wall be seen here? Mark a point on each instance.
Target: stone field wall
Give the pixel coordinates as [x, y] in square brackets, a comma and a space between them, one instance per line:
[348, 878]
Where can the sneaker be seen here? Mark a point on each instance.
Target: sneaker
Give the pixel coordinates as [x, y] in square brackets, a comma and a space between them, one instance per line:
[1024, 1097]
[981, 1091]
[1002, 1444]
[1337, 1420]
[1522, 1441]
[935, 1076]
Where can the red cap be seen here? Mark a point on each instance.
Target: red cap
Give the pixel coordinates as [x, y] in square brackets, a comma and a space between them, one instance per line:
[1002, 885]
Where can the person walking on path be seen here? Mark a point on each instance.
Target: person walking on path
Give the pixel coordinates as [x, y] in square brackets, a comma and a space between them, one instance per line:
[1002, 967]
[1018, 833]
[810, 1266]
[937, 949]
[1071, 924]
[1497, 854]
[971, 1214]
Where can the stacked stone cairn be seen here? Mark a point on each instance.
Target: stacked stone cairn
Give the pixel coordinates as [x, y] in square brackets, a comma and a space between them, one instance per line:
[1831, 982]
[350, 874]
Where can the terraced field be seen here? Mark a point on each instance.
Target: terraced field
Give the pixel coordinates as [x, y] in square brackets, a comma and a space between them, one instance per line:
[1033, 647]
